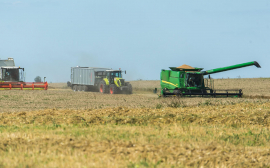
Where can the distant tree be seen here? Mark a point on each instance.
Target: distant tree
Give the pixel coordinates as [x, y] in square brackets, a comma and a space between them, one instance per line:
[37, 79]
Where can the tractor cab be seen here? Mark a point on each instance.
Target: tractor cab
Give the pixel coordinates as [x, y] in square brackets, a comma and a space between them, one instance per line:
[114, 83]
[113, 75]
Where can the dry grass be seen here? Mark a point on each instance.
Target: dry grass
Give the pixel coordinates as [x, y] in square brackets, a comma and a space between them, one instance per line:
[62, 128]
[149, 85]
[250, 86]
[209, 136]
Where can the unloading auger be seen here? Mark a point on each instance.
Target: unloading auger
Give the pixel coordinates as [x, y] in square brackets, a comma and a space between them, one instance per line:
[186, 80]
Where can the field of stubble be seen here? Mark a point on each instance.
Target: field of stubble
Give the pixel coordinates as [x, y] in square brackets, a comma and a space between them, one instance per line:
[62, 128]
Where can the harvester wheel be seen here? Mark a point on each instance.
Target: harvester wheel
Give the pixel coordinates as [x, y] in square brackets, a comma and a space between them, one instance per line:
[204, 92]
[164, 91]
[102, 87]
[129, 89]
[75, 88]
[113, 89]
[177, 92]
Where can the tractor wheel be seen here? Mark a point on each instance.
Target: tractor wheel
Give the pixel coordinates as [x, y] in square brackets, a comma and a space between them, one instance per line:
[113, 89]
[129, 89]
[74, 88]
[102, 87]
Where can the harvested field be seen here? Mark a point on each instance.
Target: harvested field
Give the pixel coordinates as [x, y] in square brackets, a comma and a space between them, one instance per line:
[29, 100]
[62, 128]
[209, 136]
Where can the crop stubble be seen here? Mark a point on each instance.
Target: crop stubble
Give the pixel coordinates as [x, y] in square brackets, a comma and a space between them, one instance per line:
[61, 128]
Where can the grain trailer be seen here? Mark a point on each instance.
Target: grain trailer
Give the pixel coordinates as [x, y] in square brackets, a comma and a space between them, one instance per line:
[104, 80]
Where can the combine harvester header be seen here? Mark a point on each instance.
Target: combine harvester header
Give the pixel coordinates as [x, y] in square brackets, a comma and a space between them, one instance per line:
[186, 80]
[12, 77]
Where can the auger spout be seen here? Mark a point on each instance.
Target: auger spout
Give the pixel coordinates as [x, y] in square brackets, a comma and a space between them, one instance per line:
[212, 71]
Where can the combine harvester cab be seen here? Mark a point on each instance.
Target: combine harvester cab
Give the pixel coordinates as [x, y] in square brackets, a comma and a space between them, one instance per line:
[186, 80]
[104, 80]
[12, 77]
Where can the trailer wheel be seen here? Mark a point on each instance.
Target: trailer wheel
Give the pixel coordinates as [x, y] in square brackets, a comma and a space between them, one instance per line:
[113, 89]
[75, 88]
[129, 88]
[102, 87]
[68, 84]
[83, 88]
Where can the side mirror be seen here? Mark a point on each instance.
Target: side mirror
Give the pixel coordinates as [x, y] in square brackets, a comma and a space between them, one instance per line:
[125, 72]
[209, 77]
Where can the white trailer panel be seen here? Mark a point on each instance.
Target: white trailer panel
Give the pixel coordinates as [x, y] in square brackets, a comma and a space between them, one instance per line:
[84, 75]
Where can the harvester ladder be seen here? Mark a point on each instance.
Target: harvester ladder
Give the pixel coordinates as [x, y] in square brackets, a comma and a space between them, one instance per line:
[209, 83]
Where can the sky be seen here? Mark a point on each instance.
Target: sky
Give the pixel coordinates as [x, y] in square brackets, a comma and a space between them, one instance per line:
[47, 37]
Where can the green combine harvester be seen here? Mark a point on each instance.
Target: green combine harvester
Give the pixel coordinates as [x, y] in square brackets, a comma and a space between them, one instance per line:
[186, 80]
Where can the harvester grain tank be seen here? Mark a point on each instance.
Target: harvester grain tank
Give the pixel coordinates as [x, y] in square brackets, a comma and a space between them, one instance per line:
[186, 80]
[12, 77]
[104, 80]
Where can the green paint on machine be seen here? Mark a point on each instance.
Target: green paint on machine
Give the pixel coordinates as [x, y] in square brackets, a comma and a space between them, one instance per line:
[186, 80]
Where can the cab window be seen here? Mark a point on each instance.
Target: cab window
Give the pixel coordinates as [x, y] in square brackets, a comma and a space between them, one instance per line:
[194, 80]
[116, 74]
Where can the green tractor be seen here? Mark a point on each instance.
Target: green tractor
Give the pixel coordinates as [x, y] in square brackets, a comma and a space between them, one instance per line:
[111, 81]
[186, 80]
